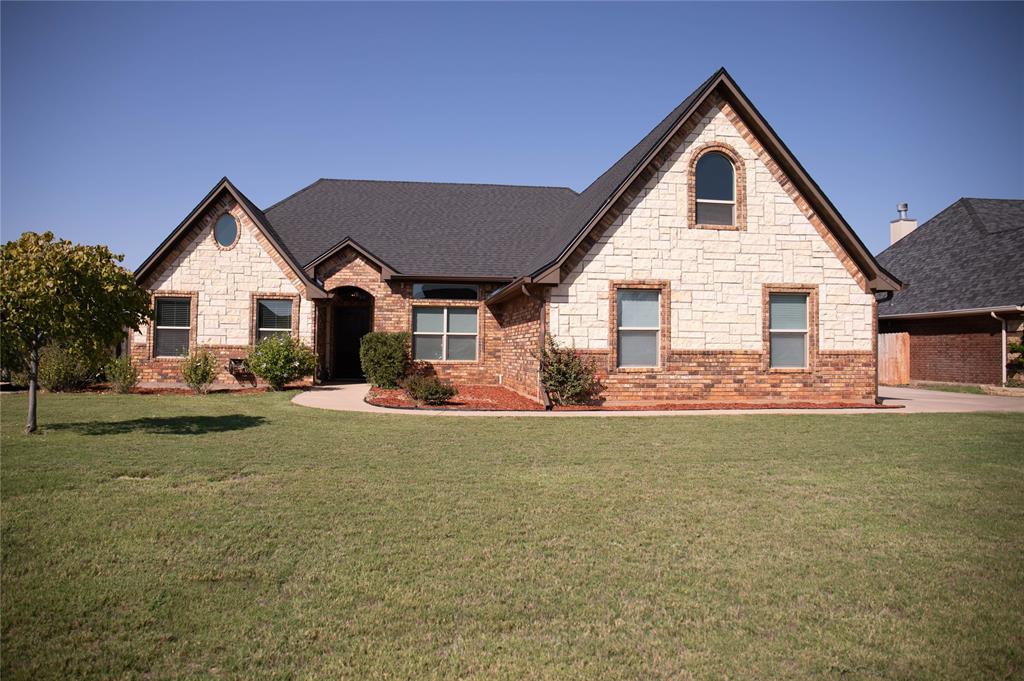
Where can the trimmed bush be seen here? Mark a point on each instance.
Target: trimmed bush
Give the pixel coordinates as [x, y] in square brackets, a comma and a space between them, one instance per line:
[122, 374]
[429, 389]
[568, 378]
[199, 370]
[62, 370]
[281, 359]
[384, 357]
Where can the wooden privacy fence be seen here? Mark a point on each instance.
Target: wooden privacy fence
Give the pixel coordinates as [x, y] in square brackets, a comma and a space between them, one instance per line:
[894, 358]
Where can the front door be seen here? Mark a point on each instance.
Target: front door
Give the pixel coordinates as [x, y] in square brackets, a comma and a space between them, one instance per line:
[351, 323]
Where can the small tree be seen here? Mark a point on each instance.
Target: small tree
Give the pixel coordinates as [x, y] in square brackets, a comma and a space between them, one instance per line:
[69, 295]
[568, 378]
[281, 359]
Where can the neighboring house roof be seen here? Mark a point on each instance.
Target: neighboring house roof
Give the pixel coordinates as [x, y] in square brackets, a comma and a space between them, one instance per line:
[968, 257]
[424, 228]
[500, 232]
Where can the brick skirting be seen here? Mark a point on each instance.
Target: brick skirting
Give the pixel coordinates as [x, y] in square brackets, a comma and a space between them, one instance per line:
[730, 376]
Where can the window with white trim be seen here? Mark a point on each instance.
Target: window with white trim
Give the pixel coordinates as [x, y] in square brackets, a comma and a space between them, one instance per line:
[787, 330]
[444, 333]
[639, 326]
[172, 327]
[716, 190]
[273, 317]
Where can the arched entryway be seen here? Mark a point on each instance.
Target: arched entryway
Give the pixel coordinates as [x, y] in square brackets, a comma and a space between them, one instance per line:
[351, 319]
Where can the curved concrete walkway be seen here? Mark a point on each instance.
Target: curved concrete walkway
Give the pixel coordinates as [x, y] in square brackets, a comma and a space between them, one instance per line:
[349, 397]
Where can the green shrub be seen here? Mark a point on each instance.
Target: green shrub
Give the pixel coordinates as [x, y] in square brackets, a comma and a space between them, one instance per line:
[199, 370]
[567, 377]
[281, 359]
[384, 357]
[62, 370]
[122, 374]
[429, 389]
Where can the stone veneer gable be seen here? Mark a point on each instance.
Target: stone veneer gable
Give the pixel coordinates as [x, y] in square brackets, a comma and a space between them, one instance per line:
[716, 275]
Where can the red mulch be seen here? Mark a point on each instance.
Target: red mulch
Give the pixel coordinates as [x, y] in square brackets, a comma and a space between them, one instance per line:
[469, 398]
[496, 398]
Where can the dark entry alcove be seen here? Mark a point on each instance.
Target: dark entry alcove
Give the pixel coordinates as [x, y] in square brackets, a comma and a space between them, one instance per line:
[352, 318]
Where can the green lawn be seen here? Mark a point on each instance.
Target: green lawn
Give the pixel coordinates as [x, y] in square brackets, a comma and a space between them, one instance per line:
[245, 537]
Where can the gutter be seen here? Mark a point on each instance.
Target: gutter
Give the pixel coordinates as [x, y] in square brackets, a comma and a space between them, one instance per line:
[1005, 309]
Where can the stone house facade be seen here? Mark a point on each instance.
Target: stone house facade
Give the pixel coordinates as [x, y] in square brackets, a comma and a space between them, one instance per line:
[704, 265]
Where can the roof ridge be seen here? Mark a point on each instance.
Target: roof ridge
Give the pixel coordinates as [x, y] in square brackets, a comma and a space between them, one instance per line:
[449, 184]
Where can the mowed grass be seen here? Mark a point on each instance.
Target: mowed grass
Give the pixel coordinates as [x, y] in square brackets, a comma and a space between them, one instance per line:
[245, 537]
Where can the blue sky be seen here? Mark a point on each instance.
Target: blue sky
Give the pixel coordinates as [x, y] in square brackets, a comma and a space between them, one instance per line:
[118, 118]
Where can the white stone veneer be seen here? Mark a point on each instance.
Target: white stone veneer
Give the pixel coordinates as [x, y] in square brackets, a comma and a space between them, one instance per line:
[716, 275]
[224, 280]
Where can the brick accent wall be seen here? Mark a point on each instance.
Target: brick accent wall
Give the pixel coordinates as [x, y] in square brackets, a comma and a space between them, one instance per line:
[731, 376]
[952, 349]
[392, 311]
[520, 320]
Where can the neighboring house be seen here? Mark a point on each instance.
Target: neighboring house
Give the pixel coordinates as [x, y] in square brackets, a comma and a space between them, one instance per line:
[705, 264]
[963, 290]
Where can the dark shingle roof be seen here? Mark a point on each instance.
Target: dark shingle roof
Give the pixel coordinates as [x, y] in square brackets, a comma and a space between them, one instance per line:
[966, 257]
[424, 228]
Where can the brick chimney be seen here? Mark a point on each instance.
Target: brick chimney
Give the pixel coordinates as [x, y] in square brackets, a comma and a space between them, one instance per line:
[901, 226]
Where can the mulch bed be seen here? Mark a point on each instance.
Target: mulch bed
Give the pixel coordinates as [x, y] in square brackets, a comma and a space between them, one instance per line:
[496, 398]
[469, 398]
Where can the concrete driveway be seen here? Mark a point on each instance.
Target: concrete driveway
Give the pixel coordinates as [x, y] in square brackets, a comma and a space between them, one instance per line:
[349, 397]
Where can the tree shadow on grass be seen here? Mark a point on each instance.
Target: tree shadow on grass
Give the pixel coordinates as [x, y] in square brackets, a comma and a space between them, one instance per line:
[168, 425]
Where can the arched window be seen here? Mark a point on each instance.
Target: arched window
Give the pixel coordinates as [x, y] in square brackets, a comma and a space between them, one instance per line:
[226, 230]
[716, 190]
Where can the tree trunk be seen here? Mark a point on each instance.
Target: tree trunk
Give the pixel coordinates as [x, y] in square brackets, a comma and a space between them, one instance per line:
[33, 388]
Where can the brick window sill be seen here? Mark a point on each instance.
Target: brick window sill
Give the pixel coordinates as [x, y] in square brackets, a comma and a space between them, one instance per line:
[726, 228]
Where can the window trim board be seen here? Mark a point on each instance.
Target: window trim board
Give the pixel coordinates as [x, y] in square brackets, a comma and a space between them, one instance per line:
[255, 297]
[811, 291]
[193, 298]
[664, 329]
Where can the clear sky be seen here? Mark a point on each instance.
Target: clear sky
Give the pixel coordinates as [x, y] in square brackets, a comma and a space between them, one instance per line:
[118, 118]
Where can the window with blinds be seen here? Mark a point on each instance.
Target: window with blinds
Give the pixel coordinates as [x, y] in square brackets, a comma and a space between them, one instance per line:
[639, 312]
[273, 317]
[172, 326]
[787, 330]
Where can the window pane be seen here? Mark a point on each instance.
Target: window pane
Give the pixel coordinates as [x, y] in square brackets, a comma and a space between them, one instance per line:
[170, 342]
[462, 319]
[714, 177]
[426, 347]
[226, 230]
[714, 213]
[787, 311]
[172, 312]
[274, 314]
[428, 319]
[445, 291]
[788, 349]
[638, 348]
[638, 308]
[462, 347]
[260, 335]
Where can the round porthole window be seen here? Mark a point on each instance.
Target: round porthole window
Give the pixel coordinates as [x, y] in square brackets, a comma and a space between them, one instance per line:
[226, 230]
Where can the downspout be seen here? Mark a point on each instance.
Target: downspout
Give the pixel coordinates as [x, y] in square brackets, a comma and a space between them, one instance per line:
[543, 339]
[1003, 347]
